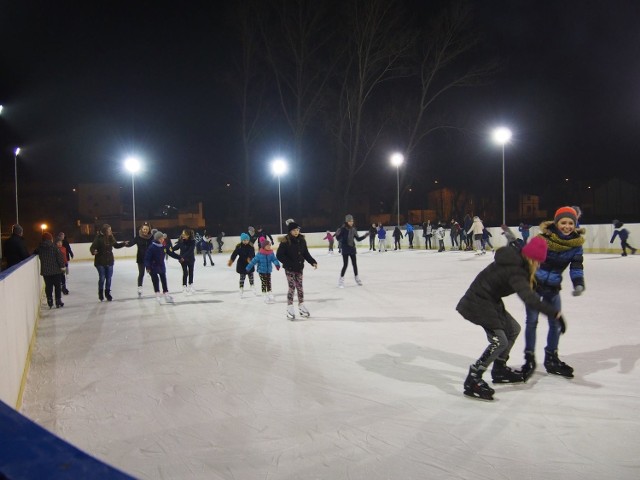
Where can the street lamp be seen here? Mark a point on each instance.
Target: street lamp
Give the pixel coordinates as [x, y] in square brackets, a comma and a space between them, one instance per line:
[502, 136]
[15, 173]
[279, 167]
[43, 227]
[132, 164]
[397, 159]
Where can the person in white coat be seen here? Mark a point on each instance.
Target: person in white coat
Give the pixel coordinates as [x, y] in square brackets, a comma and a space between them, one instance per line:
[476, 230]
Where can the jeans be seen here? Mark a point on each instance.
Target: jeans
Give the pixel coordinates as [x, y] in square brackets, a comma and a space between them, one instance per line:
[105, 272]
[553, 337]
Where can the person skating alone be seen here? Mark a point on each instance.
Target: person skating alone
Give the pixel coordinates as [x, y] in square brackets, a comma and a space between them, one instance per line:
[382, 239]
[347, 235]
[329, 238]
[373, 232]
[623, 233]
[292, 253]
[512, 271]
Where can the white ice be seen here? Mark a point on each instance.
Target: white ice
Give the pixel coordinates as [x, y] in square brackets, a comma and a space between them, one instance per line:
[369, 387]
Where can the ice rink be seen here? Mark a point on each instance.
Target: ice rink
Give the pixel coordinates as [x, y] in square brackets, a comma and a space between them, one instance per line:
[370, 387]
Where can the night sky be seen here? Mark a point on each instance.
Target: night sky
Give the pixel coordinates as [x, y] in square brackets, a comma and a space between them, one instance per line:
[83, 84]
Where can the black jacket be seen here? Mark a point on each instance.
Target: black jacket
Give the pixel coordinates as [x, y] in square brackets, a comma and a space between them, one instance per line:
[244, 253]
[509, 273]
[15, 250]
[292, 252]
[142, 243]
[187, 250]
[52, 261]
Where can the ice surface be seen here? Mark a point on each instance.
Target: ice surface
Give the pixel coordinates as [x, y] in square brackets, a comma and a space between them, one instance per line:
[369, 387]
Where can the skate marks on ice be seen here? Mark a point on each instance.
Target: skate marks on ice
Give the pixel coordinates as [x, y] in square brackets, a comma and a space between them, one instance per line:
[387, 319]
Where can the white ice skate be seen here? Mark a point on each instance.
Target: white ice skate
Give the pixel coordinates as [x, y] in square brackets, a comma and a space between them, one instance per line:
[168, 298]
[139, 292]
[269, 298]
[304, 312]
[190, 290]
[358, 281]
[291, 313]
[241, 291]
[341, 282]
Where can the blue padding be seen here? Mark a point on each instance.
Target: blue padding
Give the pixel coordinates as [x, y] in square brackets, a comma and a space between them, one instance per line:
[28, 451]
[8, 271]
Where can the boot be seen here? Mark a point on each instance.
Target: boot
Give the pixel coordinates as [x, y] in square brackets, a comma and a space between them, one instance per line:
[358, 281]
[50, 302]
[475, 387]
[107, 293]
[529, 365]
[500, 373]
[341, 282]
[555, 366]
[304, 311]
[100, 295]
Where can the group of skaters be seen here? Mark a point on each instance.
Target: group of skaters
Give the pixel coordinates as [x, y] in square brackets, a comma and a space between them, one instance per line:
[532, 269]
[472, 235]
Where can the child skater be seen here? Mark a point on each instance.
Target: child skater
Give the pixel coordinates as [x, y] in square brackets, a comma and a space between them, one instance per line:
[244, 252]
[329, 238]
[440, 237]
[623, 233]
[292, 252]
[63, 275]
[186, 245]
[263, 262]
[347, 235]
[512, 271]
[397, 235]
[154, 264]
[564, 242]
[382, 239]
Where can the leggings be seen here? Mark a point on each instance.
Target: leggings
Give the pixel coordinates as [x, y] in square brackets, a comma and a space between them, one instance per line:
[156, 278]
[294, 280]
[187, 271]
[345, 263]
[265, 280]
[243, 276]
[141, 271]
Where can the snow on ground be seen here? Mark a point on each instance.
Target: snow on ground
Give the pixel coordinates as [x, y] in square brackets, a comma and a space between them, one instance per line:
[369, 387]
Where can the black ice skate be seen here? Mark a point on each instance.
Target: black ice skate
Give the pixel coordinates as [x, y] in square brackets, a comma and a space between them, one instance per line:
[529, 365]
[555, 366]
[475, 387]
[500, 373]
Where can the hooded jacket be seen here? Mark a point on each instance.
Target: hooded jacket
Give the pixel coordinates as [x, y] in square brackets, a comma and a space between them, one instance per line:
[509, 273]
[245, 254]
[562, 251]
[292, 252]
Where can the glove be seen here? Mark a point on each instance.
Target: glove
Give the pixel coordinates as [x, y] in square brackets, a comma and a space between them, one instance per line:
[563, 324]
[577, 291]
[278, 267]
[229, 263]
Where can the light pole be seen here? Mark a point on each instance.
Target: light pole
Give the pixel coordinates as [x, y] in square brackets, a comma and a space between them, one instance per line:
[15, 173]
[279, 167]
[43, 227]
[502, 136]
[397, 159]
[132, 164]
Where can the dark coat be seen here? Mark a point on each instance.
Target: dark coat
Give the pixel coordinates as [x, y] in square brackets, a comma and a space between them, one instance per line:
[244, 253]
[65, 244]
[52, 261]
[154, 258]
[563, 251]
[342, 235]
[292, 252]
[187, 250]
[509, 273]
[103, 248]
[142, 242]
[15, 250]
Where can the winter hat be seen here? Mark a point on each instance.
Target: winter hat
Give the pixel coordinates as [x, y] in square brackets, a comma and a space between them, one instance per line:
[291, 224]
[565, 212]
[536, 249]
[265, 243]
[47, 236]
[244, 236]
[158, 236]
[617, 224]
[17, 229]
[348, 218]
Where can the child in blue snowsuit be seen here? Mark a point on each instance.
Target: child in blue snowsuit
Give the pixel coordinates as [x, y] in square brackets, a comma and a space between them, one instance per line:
[623, 233]
[264, 261]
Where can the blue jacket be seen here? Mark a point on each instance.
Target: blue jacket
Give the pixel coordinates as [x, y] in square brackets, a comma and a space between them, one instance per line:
[154, 258]
[563, 251]
[263, 262]
[382, 233]
[623, 233]
[409, 228]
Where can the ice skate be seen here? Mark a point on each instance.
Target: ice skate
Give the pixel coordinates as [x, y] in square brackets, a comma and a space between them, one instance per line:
[475, 386]
[304, 312]
[59, 304]
[168, 298]
[158, 298]
[241, 292]
[139, 292]
[529, 365]
[184, 289]
[358, 281]
[555, 366]
[65, 291]
[190, 290]
[291, 313]
[500, 373]
[269, 298]
[107, 294]
[341, 282]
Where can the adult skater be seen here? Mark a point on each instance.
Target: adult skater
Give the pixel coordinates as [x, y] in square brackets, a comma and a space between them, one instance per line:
[347, 235]
[142, 241]
[512, 271]
[102, 249]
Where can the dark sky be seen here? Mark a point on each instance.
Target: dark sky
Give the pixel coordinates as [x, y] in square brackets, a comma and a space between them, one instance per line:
[85, 83]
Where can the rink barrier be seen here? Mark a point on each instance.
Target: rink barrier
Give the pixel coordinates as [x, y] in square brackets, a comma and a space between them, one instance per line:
[20, 300]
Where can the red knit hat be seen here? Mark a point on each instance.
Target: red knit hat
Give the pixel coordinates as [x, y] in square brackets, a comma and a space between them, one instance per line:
[536, 249]
[566, 212]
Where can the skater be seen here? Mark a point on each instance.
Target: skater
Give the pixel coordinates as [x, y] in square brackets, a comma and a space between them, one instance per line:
[524, 228]
[486, 238]
[245, 252]
[206, 246]
[427, 233]
[292, 253]
[329, 237]
[409, 230]
[219, 241]
[623, 233]
[454, 233]
[564, 242]
[142, 241]
[264, 261]
[467, 221]
[347, 235]
[63, 275]
[154, 264]
[397, 235]
[102, 249]
[476, 230]
[186, 244]
[51, 268]
[67, 246]
[512, 271]
[373, 231]
[440, 233]
[382, 239]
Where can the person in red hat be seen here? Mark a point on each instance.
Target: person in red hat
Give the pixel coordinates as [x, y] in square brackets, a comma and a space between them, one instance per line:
[512, 271]
[564, 249]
